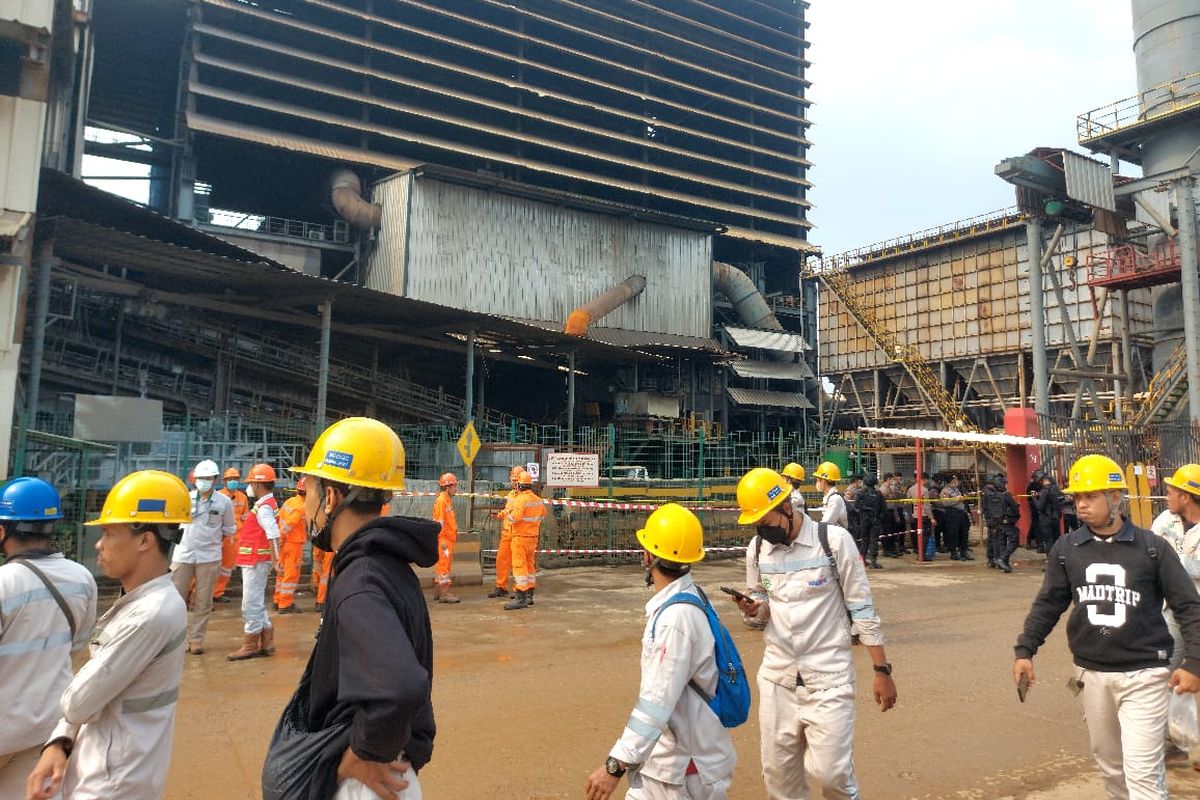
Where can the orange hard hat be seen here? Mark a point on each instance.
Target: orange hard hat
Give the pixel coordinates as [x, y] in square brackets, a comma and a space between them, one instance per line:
[515, 473]
[232, 472]
[261, 473]
[524, 477]
[448, 479]
[300, 488]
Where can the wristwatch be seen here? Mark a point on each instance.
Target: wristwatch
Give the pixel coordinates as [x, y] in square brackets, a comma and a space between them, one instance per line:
[613, 767]
[885, 668]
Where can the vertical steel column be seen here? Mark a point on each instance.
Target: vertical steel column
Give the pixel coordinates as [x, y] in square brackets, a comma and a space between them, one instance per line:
[1185, 202]
[37, 352]
[117, 342]
[470, 394]
[1037, 317]
[571, 400]
[1126, 344]
[917, 509]
[323, 369]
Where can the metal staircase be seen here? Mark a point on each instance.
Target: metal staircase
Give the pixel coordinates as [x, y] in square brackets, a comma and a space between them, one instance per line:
[1167, 388]
[837, 280]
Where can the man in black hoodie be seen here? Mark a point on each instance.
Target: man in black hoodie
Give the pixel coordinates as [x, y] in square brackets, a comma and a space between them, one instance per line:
[1117, 576]
[371, 669]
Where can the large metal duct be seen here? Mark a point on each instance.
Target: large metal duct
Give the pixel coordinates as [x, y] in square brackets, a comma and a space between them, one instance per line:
[579, 320]
[1166, 47]
[348, 201]
[748, 302]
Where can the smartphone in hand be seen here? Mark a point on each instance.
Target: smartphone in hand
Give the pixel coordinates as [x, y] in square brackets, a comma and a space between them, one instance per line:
[734, 593]
[1022, 687]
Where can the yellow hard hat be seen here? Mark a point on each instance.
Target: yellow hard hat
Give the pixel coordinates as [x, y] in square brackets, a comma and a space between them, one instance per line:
[1186, 479]
[759, 491]
[357, 451]
[828, 471]
[674, 533]
[149, 497]
[794, 471]
[1095, 473]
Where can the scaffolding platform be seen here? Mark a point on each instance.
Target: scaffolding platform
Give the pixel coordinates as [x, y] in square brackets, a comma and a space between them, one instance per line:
[1126, 267]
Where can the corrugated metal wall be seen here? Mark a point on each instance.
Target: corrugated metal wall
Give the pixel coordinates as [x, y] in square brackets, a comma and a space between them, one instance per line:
[966, 299]
[385, 270]
[499, 254]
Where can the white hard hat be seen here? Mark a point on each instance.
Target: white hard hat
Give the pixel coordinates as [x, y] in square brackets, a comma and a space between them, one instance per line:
[206, 469]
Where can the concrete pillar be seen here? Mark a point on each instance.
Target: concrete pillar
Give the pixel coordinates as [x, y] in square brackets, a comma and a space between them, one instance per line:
[323, 368]
[1037, 317]
[1185, 202]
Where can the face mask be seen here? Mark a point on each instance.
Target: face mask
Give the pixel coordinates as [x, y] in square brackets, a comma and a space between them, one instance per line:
[775, 534]
[249, 490]
[231, 485]
[204, 484]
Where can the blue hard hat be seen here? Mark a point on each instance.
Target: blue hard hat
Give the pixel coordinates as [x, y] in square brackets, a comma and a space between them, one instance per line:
[29, 499]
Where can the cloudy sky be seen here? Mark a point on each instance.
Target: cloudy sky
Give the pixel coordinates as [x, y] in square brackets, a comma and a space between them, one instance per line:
[915, 102]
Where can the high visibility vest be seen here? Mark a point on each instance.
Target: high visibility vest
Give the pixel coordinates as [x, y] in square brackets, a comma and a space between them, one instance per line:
[241, 504]
[253, 544]
[526, 514]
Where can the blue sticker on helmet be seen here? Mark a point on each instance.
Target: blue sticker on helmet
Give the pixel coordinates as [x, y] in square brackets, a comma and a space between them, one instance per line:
[774, 492]
[1114, 477]
[336, 458]
[151, 505]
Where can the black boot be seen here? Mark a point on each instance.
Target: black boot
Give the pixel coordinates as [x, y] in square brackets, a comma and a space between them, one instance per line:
[966, 556]
[1004, 565]
[529, 595]
[520, 601]
[499, 591]
[874, 564]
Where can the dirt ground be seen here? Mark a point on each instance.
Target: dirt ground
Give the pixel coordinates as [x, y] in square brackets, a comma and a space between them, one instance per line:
[529, 702]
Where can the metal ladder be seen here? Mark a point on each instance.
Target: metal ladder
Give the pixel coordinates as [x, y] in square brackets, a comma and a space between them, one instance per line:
[1167, 388]
[838, 281]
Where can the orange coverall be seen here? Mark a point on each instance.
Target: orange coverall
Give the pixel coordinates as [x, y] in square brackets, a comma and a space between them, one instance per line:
[504, 548]
[229, 544]
[443, 512]
[322, 561]
[525, 515]
[293, 532]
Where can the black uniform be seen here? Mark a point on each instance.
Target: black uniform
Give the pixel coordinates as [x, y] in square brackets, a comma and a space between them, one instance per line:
[871, 509]
[1048, 502]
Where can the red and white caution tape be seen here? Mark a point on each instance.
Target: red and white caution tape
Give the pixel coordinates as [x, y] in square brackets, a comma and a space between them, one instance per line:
[608, 505]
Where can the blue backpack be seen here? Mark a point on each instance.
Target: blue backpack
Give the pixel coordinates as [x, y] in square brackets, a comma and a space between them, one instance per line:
[731, 703]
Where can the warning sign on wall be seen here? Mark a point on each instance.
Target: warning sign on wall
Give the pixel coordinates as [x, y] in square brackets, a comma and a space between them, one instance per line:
[572, 469]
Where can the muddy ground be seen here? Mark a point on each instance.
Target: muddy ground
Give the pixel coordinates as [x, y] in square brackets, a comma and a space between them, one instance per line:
[529, 702]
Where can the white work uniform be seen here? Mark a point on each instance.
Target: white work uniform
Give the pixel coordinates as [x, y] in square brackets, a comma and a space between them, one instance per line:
[671, 724]
[798, 501]
[255, 618]
[806, 681]
[1186, 543]
[197, 557]
[833, 508]
[35, 656]
[120, 707]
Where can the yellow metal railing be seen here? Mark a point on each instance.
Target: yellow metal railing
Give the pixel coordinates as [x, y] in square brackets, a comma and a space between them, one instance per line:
[930, 237]
[1165, 383]
[1157, 101]
[838, 282]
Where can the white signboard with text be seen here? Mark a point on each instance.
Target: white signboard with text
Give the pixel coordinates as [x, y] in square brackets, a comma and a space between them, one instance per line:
[573, 469]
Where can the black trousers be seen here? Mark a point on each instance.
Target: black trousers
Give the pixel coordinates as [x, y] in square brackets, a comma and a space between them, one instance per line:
[869, 531]
[958, 526]
[1007, 540]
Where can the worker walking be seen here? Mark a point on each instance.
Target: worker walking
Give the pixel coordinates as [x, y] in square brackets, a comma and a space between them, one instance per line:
[197, 558]
[1010, 513]
[321, 562]
[795, 476]
[674, 741]
[118, 713]
[833, 505]
[365, 696]
[525, 520]
[957, 522]
[443, 514]
[258, 553]
[1117, 577]
[47, 611]
[504, 548]
[807, 580]
[229, 545]
[293, 534]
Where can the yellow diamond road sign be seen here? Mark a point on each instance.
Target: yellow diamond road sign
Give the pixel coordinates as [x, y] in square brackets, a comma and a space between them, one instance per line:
[468, 444]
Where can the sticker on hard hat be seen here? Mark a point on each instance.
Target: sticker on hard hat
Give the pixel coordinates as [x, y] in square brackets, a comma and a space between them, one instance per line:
[48, 511]
[1114, 477]
[774, 492]
[151, 505]
[1194, 484]
[336, 458]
